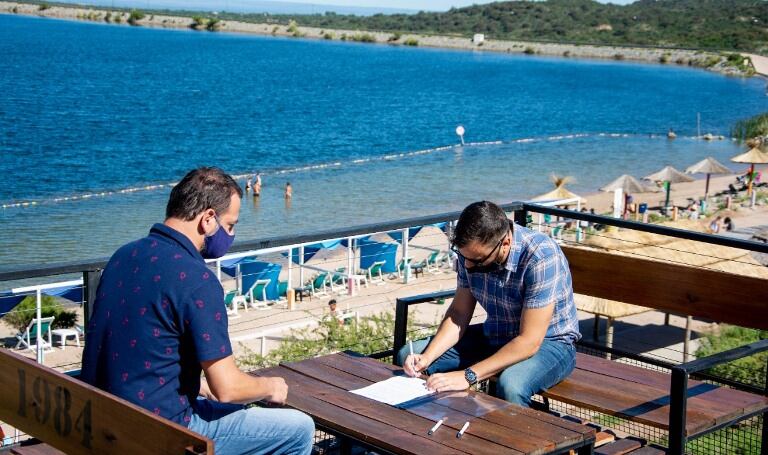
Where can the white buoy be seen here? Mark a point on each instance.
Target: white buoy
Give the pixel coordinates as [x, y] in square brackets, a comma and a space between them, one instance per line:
[460, 133]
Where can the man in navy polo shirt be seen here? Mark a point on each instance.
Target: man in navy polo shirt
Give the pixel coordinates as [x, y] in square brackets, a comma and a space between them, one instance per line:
[159, 319]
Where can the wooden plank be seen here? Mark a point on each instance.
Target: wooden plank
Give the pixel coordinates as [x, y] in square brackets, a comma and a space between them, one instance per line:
[77, 418]
[648, 450]
[456, 407]
[303, 395]
[408, 421]
[610, 396]
[728, 401]
[670, 287]
[619, 447]
[35, 448]
[386, 369]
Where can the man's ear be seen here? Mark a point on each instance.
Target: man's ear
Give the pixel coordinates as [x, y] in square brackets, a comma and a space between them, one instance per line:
[207, 222]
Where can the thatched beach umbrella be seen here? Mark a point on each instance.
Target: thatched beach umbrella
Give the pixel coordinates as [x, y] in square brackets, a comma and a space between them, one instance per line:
[668, 175]
[707, 166]
[627, 184]
[560, 192]
[752, 156]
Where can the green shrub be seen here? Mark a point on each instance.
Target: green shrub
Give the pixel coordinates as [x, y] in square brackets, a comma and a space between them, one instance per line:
[529, 51]
[394, 37]
[411, 42]
[135, 16]
[20, 317]
[293, 27]
[108, 17]
[749, 370]
[118, 18]
[213, 25]
[198, 22]
[752, 127]
[664, 57]
[15, 10]
[363, 38]
[43, 7]
[567, 54]
[711, 61]
[343, 37]
[328, 35]
[618, 56]
[275, 29]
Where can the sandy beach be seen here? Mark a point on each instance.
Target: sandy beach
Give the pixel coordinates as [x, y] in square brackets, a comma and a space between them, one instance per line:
[683, 57]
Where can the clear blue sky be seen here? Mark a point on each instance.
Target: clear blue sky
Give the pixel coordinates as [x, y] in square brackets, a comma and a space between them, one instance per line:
[410, 4]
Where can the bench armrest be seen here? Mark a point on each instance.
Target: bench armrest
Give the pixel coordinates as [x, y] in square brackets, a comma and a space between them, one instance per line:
[708, 362]
[401, 314]
[678, 435]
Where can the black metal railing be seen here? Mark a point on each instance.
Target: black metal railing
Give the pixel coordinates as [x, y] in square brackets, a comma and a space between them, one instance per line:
[91, 269]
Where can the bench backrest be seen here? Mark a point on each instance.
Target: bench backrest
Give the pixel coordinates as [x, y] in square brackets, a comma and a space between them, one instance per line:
[77, 419]
[692, 291]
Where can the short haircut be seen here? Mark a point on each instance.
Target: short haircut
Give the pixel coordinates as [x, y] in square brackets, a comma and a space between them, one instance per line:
[483, 222]
[201, 189]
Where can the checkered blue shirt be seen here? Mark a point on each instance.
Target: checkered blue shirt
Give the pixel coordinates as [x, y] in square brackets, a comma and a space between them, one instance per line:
[536, 275]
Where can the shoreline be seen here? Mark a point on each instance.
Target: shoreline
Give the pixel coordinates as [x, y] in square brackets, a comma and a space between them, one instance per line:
[707, 60]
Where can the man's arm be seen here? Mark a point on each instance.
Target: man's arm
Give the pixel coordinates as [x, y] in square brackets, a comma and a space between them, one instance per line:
[448, 334]
[228, 384]
[543, 284]
[533, 328]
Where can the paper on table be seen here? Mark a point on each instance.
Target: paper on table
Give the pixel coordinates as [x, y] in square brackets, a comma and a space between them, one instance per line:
[395, 390]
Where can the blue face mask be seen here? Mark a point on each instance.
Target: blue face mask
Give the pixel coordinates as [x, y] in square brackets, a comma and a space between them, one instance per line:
[218, 244]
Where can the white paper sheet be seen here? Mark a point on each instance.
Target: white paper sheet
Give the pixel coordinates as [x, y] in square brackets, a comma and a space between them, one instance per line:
[395, 390]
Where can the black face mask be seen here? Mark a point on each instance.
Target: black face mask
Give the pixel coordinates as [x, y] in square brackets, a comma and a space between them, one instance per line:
[487, 268]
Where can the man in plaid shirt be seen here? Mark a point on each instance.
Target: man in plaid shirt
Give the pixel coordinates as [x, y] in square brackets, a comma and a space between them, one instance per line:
[521, 279]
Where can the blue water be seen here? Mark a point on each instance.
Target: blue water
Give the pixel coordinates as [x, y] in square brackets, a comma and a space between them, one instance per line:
[97, 112]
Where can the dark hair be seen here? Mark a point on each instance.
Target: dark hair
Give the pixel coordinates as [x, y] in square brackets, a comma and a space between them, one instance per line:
[483, 222]
[332, 302]
[201, 189]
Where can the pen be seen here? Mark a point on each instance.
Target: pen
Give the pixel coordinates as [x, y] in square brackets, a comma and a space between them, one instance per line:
[463, 429]
[437, 425]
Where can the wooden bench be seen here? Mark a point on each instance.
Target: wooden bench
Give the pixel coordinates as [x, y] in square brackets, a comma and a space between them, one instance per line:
[70, 416]
[670, 402]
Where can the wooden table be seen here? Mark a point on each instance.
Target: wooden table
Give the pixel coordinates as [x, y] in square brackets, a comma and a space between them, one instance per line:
[320, 387]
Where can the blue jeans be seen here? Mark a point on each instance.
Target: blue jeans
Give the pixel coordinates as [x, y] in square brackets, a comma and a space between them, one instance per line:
[552, 363]
[239, 430]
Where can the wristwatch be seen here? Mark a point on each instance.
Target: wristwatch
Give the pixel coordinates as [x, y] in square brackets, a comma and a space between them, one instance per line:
[470, 376]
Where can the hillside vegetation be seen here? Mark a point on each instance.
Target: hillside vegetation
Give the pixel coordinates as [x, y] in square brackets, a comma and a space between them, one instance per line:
[708, 24]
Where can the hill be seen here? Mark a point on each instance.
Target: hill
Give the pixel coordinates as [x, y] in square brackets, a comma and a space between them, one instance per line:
[702, 24]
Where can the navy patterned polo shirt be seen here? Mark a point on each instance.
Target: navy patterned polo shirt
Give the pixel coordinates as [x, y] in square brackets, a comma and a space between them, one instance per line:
[159, 312]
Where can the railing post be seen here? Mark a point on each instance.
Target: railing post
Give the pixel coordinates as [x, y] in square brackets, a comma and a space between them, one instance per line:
[764, 442]
[677, 411]
[406, 265]
[401, 324]
[39, 325]
[521, 217]
[91, 280]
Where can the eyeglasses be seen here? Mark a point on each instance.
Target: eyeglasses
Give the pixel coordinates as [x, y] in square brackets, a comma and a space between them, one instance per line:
[479, 261]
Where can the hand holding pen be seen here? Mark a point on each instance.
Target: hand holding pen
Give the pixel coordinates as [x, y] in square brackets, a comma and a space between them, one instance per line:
[414, 364]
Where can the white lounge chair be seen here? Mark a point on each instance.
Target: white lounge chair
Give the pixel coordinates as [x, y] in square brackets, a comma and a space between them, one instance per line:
[29, 336]
[259, 289]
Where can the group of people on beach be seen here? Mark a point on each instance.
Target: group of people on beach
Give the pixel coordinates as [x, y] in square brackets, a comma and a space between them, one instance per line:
[254, 183]
[159, 338]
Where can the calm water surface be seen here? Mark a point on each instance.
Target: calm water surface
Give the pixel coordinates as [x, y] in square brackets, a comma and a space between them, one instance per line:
[91, 115]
